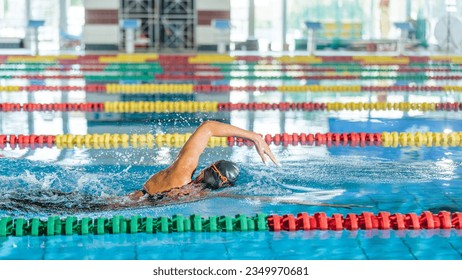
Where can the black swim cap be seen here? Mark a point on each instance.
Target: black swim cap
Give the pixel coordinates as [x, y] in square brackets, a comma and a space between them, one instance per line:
[220, 174]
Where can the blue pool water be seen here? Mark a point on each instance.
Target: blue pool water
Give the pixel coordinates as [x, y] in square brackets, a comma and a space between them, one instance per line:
[373, 179]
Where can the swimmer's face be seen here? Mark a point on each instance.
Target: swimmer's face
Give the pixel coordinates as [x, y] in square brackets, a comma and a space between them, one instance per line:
[218, 175]
[200, 179]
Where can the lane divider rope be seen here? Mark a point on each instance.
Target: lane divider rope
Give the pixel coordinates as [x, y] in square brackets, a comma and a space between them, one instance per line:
[242, 76]
[150, 69]
[329, 139]
[222, 58]
[55, 225]
[190, 88]
[211, 106]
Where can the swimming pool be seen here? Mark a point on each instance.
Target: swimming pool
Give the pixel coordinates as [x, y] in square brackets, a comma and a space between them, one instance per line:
[371, 177]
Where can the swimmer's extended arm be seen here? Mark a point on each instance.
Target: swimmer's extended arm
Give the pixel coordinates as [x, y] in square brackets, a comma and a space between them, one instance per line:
[182, 169]
[188, 158]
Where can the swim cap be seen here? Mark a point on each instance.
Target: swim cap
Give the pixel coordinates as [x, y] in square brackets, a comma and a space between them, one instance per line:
[220, 174]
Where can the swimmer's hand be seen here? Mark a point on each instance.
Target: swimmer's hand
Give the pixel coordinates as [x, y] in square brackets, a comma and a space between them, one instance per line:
[189, 155]
[263, 149]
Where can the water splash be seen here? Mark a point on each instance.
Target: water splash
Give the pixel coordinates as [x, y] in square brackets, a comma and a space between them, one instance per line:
[45, 187]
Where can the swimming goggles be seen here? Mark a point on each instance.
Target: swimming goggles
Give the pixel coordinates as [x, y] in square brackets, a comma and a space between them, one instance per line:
[223, 179]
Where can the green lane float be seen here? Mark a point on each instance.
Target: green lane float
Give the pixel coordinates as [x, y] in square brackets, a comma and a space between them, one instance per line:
[54, 225]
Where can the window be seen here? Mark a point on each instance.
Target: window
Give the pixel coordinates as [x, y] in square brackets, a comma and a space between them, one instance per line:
[13, 23]
[239, 20]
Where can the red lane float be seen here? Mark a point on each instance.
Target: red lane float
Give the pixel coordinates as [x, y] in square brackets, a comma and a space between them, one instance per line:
[365, 221]
[27, 141]
[329, 139]
[61, 107]
[87, 88]
[227, 88]
[184, 77]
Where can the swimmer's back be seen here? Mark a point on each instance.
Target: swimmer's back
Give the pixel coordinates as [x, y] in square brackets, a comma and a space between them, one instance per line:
[187, 193]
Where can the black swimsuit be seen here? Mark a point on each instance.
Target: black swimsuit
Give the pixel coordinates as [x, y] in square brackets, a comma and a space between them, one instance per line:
[154, 197]
[189, 192]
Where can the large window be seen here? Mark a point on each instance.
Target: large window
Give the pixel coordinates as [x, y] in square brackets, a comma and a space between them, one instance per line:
[239, 20]
[341, 19]
[75, 17]
[14, 15]
[47, 10]
[268, 24]
[13, 18]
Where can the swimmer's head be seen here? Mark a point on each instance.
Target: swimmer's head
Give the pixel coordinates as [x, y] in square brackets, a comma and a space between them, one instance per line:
[220, 174]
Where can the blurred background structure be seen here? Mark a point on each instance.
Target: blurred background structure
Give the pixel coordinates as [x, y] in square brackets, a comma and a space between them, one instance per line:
[251, 25]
